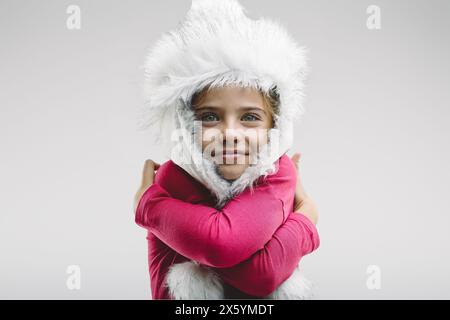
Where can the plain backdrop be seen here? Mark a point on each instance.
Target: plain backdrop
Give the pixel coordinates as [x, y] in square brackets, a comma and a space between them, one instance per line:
[374, 139]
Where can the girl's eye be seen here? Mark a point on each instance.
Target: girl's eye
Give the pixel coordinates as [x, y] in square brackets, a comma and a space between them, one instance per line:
[209, 116]
[250, 117]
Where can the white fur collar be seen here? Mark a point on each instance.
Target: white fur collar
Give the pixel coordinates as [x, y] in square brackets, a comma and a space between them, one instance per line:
[188, 155]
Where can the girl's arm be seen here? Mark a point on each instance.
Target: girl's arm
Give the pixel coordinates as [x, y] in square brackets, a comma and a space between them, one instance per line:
[268, 268]
[220, 238]
[265, 270]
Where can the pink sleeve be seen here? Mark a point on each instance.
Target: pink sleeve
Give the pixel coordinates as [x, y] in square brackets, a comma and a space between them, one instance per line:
[216, 238]
[265, 270]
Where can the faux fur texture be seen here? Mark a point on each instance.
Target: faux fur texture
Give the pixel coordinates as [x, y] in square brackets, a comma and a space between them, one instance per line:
[189, 280]
[218, 45]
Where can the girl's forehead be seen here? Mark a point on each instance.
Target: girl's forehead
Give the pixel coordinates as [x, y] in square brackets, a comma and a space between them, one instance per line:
[230, 95]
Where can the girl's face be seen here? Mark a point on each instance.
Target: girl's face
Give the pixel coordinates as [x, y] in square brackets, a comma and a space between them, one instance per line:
[235, 124]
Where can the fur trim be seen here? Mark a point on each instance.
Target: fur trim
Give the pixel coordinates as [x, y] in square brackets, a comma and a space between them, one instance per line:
[296, 287]
[190, 280]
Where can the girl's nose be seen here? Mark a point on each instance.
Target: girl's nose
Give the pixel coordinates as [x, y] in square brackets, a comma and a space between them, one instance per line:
[232, 130]
[230, 123]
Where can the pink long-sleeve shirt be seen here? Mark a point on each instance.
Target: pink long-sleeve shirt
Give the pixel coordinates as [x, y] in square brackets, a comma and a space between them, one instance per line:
[254, 243]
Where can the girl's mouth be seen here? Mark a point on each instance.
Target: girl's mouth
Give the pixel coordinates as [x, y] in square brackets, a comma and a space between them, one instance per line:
[231, 156]
[234, 152]
[231, 153]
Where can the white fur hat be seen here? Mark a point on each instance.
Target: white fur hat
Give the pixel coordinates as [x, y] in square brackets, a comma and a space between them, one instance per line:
[217, 45]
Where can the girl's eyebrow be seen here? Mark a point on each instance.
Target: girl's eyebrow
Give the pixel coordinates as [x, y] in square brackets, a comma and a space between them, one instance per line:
[207, 107]
[254, 108]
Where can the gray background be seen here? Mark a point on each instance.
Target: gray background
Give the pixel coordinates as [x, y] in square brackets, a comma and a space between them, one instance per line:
[375, 142]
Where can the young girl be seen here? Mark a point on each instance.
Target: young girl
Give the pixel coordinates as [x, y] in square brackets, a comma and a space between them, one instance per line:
[221, 215]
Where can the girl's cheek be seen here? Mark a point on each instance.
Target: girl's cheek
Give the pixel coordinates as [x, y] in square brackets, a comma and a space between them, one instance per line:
[262, 137]
[210, 135]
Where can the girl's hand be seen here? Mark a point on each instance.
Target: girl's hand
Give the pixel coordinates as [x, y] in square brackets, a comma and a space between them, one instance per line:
[303, 203]
[148, 176]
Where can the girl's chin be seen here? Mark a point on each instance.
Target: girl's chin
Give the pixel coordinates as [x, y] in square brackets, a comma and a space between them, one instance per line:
[231, 171]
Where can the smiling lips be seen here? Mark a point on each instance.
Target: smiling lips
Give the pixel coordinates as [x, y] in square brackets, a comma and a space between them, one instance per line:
[230, 155]
[234, 152]
[233, 155]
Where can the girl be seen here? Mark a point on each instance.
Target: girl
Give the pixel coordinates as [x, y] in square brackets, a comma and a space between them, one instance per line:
[220, 214]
